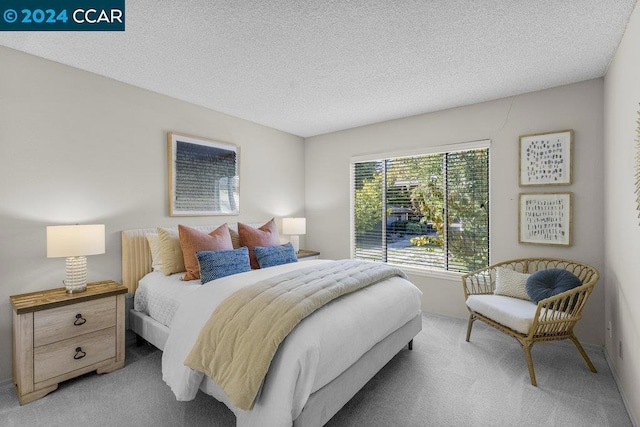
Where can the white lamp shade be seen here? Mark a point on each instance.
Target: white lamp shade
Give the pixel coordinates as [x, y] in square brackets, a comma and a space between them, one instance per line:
[75, 240]
[294, 226]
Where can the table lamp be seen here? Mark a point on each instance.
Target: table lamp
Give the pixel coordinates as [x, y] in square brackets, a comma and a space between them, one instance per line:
[294, 227]
[74, 242]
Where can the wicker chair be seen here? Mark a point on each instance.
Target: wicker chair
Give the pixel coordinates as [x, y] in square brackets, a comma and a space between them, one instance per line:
[554, 317]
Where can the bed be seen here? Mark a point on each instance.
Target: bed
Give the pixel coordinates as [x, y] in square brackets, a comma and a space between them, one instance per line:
[306, 384]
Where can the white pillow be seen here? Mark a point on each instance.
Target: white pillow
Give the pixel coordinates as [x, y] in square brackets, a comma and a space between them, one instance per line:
[154, 246]
[511, 283]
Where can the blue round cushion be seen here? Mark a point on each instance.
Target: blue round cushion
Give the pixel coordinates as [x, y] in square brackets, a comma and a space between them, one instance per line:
[549, 282]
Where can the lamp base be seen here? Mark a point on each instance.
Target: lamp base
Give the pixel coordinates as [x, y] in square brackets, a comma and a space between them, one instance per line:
[76, 278]
[75, 290]
[295, 242]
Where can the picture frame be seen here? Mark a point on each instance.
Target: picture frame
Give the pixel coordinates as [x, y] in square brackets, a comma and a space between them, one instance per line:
[546, 158]
[203, 176]
[546, 218]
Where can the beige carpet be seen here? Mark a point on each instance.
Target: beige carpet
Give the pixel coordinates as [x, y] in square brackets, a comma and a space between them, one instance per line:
[444, 381]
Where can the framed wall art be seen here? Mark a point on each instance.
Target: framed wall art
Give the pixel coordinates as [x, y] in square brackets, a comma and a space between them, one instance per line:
[545, 159]
[545, 218]
[203, 176]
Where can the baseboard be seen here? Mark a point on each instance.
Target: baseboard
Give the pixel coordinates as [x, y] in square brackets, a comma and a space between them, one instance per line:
[585, 345]
[6, 383]
[634, 422]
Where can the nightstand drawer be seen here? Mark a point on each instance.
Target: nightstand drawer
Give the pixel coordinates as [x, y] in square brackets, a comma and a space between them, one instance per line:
[57, 324]
[61, 357]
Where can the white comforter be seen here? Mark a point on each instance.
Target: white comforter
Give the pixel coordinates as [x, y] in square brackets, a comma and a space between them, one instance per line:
[319, 349]
[160, 296]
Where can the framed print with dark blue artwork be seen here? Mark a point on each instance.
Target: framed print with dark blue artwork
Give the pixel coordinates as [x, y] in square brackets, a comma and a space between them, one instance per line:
[203, 176]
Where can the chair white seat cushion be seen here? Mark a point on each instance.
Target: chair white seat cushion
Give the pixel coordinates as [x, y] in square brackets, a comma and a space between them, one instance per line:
[513, 313]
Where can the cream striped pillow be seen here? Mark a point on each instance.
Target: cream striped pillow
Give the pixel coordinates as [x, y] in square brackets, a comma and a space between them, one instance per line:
[170, 251]
[511, 283]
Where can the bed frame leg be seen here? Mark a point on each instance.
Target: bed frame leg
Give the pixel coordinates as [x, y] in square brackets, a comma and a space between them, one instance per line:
[139, 341]
[410, 345]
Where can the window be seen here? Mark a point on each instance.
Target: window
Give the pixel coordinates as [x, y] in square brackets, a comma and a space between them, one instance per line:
[426, 211]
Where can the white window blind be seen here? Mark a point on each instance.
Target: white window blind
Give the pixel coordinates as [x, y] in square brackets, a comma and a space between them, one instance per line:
[425, 211]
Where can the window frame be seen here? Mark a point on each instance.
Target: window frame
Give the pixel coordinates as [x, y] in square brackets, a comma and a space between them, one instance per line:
[381, 156]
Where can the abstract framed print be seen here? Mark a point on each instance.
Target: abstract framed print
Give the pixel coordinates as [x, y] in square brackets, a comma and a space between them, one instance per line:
[203, 176]
[545, 159]
[545, 218]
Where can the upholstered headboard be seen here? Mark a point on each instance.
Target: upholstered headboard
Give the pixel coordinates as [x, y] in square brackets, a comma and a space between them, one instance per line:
[136, 255]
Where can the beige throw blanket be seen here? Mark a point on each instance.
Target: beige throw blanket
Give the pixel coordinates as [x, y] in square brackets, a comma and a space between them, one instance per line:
[236, 345]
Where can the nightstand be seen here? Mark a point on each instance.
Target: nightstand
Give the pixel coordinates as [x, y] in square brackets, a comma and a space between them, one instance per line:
[58, 336]
[304, 255]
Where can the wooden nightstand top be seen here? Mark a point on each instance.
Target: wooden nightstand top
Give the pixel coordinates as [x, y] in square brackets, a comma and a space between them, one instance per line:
[302, 253]
[43, 300]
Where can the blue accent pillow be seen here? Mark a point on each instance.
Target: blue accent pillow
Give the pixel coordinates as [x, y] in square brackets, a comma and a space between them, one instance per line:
[275, 255]
[549, 282]
[217, 264]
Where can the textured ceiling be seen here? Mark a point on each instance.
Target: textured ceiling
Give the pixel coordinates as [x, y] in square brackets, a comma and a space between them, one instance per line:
[309, 67]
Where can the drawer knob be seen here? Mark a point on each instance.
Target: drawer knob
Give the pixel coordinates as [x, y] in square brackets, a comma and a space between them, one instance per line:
[79, 320]
[79, 353]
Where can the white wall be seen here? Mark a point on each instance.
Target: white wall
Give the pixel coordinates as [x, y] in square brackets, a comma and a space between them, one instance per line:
[79, 148]
[578, 107]
[622, 225]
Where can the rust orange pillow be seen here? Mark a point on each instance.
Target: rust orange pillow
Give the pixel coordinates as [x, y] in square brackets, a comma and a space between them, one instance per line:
[267, 235]
[192, 241]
